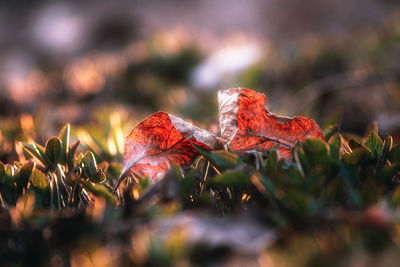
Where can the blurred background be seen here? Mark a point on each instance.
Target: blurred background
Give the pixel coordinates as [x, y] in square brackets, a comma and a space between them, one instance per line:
[103, 63]
[104, 66]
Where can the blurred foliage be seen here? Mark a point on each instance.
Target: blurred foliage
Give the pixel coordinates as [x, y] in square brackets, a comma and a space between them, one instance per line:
[337, 202]
[56, 176]
[327, 79]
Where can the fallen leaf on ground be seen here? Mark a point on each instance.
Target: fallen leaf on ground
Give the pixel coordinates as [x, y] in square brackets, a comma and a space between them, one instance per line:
[246, 124]
[160, 139]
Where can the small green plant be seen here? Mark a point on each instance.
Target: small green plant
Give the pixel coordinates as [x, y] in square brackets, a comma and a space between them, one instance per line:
[58, 176]
[345, 187]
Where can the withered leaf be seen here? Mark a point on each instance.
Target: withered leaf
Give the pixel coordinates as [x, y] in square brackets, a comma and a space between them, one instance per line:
[246, 124]
[160, 139]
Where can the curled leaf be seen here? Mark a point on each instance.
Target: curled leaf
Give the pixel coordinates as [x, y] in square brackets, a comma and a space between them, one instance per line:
[246, 124]
[65, 138]
[374, 143]
[53, 149]
[23, 175]
[160, 139]
[39, 180]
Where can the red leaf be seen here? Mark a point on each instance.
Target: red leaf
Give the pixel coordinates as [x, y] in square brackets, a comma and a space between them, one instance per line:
[160, 139]
[246, 124]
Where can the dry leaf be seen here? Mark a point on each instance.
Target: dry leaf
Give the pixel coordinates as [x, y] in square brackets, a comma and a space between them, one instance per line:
[160, 139]
[246, 124]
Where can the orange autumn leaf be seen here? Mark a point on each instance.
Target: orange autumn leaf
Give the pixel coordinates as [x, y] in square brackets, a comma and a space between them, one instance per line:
[246, 124]
[160, 139]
